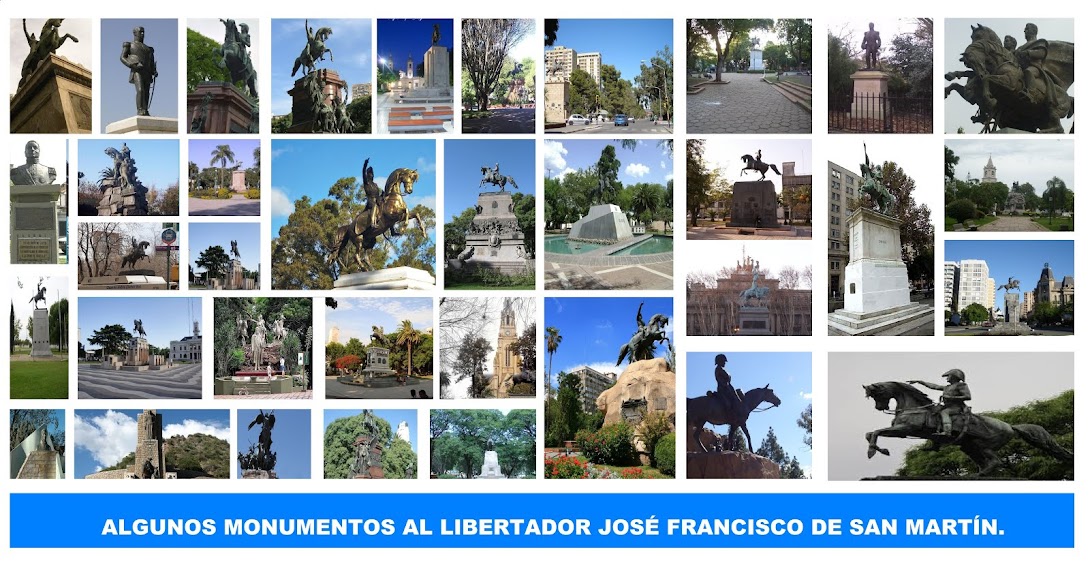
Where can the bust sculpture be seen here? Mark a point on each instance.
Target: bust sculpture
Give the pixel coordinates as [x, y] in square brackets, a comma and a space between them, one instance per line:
[33, 172]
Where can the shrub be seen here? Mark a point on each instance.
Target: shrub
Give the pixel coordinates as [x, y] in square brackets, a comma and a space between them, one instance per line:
[665, 456]
[961, 210]
[654, 426]
[566, 467]
[253, 193]
[235, 360]
[611, 445]
[223, 193]
[633, 472]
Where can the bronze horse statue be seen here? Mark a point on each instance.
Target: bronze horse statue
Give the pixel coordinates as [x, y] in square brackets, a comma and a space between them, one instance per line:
[314, 51]
[711, 409]
[642, 344]
[978, 436]
[138, 252]
[40, 296]
[48, 42]
[391, 210]
[496, 179]
[759, 166]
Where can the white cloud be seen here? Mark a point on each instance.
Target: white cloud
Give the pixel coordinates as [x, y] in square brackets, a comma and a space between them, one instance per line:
[557, 304]
[281, 204]
[806, 395]
[277, 152]
[662, 164]
[428, 202]
[636, 170]
[424, 165]
[565, 173]
[190, 426]
[554, 157]
[108, 437]
[669, 176]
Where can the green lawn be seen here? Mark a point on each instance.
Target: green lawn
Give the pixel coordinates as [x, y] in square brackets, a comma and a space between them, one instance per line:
[1057, 223]
[39, 380]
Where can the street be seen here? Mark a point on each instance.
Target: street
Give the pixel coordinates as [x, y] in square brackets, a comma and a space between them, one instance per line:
[642, 126]
[502, 121]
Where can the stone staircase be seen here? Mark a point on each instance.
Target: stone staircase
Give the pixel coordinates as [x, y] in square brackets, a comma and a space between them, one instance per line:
[888, 322]
[801, 95]
[41, 465]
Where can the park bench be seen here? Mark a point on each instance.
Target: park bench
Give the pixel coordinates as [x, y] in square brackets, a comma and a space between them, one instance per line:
[571, 447]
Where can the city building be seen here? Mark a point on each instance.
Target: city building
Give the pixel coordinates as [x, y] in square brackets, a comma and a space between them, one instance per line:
[989, 173]
[592, 64]
[559, 62]
[361, 90]
[591, 385]
[189, 348]
[334, 335]
[1060, 293]
[974, 285]
[712, 310]
[507, 362]
[1028, 301]
[951, 278]
[843, 185]
[793, 184]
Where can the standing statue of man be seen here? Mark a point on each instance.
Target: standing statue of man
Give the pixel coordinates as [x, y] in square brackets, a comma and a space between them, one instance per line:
[33, 172]
[435, 35]
[954, 396]
[872, 42]
[139, 57]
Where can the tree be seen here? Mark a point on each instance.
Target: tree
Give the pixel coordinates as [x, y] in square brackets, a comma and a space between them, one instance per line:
[734, 30]
[359, 110]
[806, 422]
[472, 354]
[698, 181]
[399, 460]
[222, 154]
[111, 338]
[606, 170]
[280, 124]
[583, 92]
[553, 339]
[58, 324]
[975, 313]
[912, 56]
[952, 160]
[340, 454]
[770, 448]
[202, 61]
[917, 233]
[841, 67]
[569, 407]
[486, 44]
[26, 421]
[407, 336]
[798, 33]
[16, 327]
[551, 27]
[215, 261]
[1055, 197]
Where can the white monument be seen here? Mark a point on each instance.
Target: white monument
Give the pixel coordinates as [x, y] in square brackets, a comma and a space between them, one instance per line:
[756, 59]
[40, 345]
[491, 466]
[403, 431]
[603, 223]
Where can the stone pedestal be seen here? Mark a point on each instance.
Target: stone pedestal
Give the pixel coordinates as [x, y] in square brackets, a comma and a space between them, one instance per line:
[437, 68]
[229, 110]
[729, 464]
[876, 290]
[234, 275]
[143, 125]
[258, 474]
[56, 99]
[34, 228]
[870, 90]
[754, 321]
[402, 277]
[126, 201]
[41, 334]
[756, 60]
[238, 181]
[302, 115]
[557, 104]
[149, 445]
[1011, 302]
[491, 466]
[138, 352]
[603, 224]
[754, 204]
[495, 237]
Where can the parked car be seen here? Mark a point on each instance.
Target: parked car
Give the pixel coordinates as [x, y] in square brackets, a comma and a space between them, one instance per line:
[620, 120]
[578, 118]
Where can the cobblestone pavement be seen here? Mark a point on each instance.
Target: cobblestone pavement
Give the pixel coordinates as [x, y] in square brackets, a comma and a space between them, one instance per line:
[656, 275]
[305, 395]
[181, 382]
[1012, 224]
[746, 105]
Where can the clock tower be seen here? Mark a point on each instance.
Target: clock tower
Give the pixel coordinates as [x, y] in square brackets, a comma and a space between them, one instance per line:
[507, 362]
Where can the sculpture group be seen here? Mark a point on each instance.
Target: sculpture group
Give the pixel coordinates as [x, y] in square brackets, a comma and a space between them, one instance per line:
[1017, 87]
[873, 185]
[122, 192]
[235, 56]
[760, 293]
[326, 111]
[647, 336]
[381, 214]
[951, 422]
[260, 456]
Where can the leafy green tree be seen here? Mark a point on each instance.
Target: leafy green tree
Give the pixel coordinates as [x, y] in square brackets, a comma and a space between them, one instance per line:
[1055, 197]
[583, 92]
[841, 67]
[111, 338]
[798, 34]
[734, 30]
[912, 56]
[222, 154]
[58, 323]
[952, 160]
[472, 354]
[407, 336]
[454, 232]
[606, 170]
[975, 313]
[961, 210]
[806, 422]
[359, 110]
[1019, 459]
[340, 454]
[280, 124]
[214, 260]
[770, 448]
[201, 61]
[486, 44]
[399, 460]
[568, 399]
[698, 180]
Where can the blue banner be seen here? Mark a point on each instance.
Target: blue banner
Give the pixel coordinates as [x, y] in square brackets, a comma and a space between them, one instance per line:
[542, 520]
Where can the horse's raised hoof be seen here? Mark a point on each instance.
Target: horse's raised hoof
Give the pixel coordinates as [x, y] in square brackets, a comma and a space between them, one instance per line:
[884, 451]
[871, 451]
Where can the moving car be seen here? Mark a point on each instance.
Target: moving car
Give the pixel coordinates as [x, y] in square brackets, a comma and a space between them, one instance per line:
[578, 118]
[620, 120]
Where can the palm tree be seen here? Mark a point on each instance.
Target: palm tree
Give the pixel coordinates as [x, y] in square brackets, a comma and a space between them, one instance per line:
[552, 341]
[257, 158]
[222, 154]
[408, 336]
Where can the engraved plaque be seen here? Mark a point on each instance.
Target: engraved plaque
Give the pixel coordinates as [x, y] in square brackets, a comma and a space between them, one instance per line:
[34, 251]
[35, 218]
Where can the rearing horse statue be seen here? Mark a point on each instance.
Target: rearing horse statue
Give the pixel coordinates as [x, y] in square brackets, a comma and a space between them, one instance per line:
[314, 51]
[759, 166]
[364, 233]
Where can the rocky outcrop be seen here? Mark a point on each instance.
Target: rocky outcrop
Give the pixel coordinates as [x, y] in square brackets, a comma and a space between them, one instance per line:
[730, 464]
[648, 380]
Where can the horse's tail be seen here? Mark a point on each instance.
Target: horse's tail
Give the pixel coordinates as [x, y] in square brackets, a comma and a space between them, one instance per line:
[772, 166]
[512, 180]
[338, 244]
[298, 63]
[1040, 438]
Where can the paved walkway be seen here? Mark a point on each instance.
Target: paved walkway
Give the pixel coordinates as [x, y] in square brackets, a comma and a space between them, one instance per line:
[304, 395]
[502, 121]
[236, 206]
[335, 390]
[1012, 224]
[746, 105]
[657, 275]
[181, 382]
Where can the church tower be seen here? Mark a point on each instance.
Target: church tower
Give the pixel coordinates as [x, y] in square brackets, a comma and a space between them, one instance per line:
[507, 362]
[410, 67]
[989, 172]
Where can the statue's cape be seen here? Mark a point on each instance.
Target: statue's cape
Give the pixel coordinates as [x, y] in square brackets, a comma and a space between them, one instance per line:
[1058, 59]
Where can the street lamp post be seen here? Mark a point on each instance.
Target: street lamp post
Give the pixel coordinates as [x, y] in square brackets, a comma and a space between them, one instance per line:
[666, 103]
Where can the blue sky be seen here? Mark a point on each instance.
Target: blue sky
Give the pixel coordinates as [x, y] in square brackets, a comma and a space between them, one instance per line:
[622, 43]
[594, 329]
[393, 416]
[350, 44]
[1022, 260]
[165, 318]
[648, 163]
[464, 159]
[787, 373]
[118, 95]
[104, 437]
[200, 152]
[354, 316]
[156, 160]
[203, 235]
[290, 437]
[398, 39]
[295, 171]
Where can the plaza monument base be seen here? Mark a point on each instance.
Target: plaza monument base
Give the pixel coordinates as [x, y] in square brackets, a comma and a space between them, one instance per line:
[604, 224]
[402, 277]
[143, 125]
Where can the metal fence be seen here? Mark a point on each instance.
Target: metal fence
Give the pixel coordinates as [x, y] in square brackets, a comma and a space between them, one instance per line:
[862, 112]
